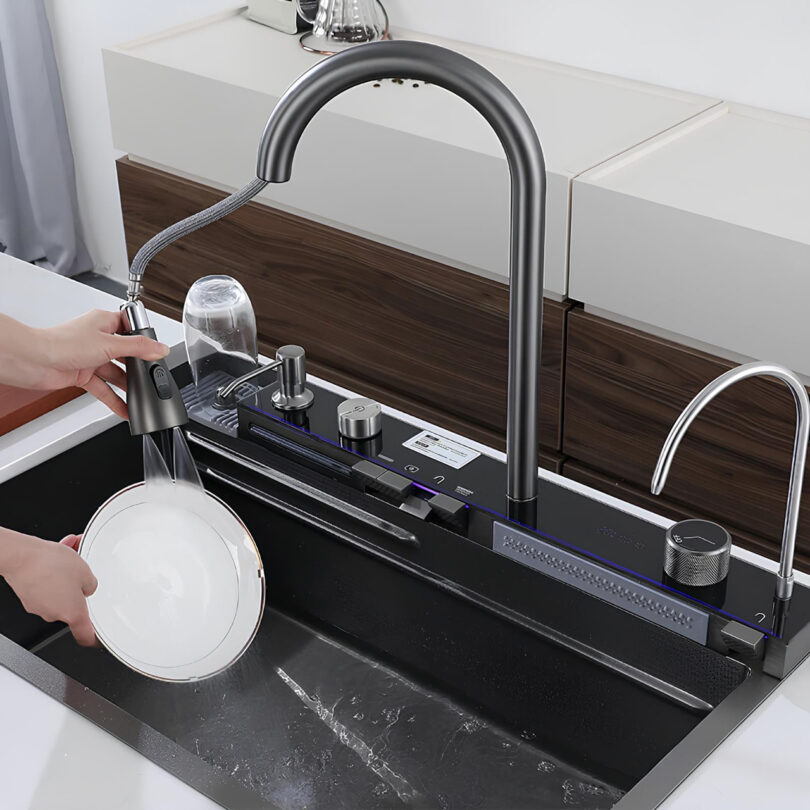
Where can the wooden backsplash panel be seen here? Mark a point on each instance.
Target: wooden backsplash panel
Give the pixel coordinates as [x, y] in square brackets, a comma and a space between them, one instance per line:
[624, 390]
[417, 334]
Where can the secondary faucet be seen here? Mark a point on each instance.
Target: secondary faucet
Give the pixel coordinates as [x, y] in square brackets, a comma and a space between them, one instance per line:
[496, 103]
[784, 581]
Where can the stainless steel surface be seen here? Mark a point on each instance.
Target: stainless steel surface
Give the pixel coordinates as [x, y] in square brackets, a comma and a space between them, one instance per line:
[292, 393]
[610, 586]
[355, 512]
[504, 113]
[134, 286]
[697, 552]
[784, 582]
[134, 315]
[340, 24]
[225, 394]
[747, 642]
[359, 418]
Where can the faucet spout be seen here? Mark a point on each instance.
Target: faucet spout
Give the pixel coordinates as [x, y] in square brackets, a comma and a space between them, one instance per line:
[511, 123]
[784, 582]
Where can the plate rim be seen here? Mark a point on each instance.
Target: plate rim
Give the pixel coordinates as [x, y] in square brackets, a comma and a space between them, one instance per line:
[261, 577]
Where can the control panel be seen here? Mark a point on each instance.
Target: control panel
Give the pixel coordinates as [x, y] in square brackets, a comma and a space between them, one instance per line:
[444, 481]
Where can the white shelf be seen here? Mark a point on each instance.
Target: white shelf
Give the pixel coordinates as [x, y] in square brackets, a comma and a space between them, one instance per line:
[412, 167]
[704, 233]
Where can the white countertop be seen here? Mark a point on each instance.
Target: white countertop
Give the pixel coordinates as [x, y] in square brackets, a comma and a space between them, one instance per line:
[736, 164]
[703, 233]
[55, 758]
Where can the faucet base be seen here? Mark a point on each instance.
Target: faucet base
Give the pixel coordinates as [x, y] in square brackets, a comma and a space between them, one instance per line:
[784, 586]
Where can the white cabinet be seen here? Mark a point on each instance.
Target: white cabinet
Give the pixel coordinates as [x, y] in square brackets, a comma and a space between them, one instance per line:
[409, 166]
[705, 233]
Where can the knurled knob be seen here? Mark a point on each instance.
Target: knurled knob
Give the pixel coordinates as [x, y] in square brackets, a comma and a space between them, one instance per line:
[697, 552]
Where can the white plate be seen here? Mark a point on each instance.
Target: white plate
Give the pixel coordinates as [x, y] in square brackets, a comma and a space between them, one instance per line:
[181, 584]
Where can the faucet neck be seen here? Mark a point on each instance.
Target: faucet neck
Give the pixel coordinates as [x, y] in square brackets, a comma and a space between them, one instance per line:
[504, 113]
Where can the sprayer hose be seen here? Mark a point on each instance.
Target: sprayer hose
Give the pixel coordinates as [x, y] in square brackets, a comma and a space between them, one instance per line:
[188, 225]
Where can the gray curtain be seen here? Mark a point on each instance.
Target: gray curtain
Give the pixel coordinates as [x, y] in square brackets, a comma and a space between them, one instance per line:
[39, 218]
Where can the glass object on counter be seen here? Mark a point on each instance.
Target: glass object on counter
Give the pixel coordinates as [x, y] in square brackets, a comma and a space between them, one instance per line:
[340, 24]
[220, 328]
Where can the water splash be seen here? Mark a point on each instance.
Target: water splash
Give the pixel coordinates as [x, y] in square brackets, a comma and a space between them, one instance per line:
[348, 738]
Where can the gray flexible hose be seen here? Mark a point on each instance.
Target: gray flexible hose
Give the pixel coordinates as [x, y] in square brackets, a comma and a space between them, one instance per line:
[186, 226]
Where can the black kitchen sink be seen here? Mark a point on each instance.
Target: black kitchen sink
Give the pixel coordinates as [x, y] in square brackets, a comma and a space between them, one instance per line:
[380, 679]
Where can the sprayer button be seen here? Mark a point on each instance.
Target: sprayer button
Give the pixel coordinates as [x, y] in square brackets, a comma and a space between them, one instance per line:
[160, 377]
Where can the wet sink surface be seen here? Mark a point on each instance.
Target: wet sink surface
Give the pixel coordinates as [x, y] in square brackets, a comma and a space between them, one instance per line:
[307, 722]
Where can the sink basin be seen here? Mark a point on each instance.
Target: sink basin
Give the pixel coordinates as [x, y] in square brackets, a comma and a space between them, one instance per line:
[374, 682]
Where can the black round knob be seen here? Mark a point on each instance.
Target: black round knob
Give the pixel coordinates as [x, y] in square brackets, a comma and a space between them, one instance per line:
[697, 552]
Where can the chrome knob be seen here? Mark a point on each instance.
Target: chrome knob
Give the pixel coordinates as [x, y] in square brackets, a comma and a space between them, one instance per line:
[697, 552]
[359, 418]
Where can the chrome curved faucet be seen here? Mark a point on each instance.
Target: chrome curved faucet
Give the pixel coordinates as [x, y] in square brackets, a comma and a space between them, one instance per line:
[504, 113]
[784, 581]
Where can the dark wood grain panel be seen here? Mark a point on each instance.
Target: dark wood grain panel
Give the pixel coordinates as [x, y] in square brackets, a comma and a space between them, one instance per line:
[625, 388]
[18, 406]
[673, 510]
[414, 333]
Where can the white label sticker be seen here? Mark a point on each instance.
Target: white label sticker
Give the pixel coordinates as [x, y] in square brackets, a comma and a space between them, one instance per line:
[437, 447]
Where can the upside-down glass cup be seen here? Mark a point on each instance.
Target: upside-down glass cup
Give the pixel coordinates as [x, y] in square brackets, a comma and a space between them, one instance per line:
[220, 328]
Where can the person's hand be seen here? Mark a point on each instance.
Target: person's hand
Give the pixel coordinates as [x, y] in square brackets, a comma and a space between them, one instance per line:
[77, 353]
[53, 581]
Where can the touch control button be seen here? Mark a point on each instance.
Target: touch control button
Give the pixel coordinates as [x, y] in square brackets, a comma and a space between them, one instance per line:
[697, 552]
[394, 484]
[160, 377]
[367, 471]
[359, 418]
[449, 509]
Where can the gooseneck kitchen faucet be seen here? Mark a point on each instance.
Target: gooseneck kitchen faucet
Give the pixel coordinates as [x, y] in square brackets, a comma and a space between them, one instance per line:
[496, 103]
[784, 581]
